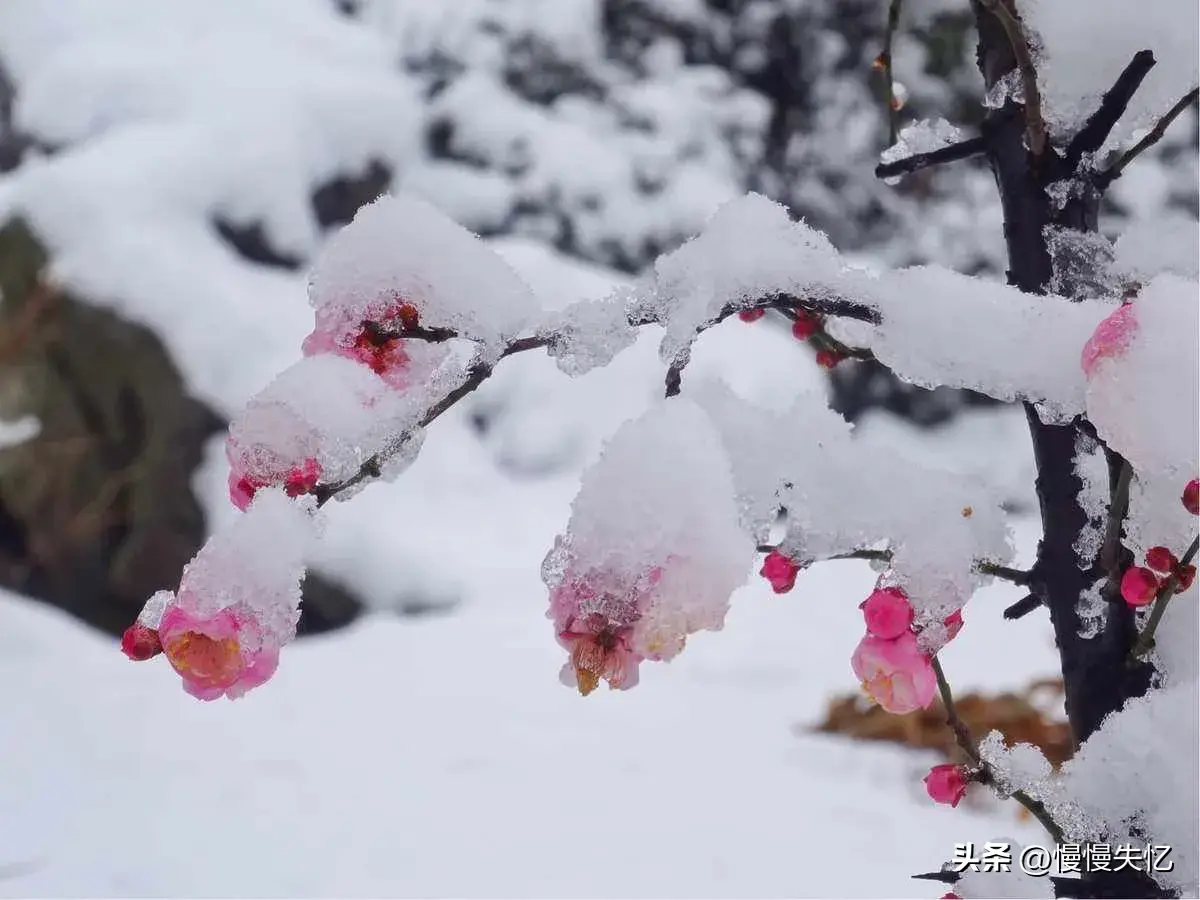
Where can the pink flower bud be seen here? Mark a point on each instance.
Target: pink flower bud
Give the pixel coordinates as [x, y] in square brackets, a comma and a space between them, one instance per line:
[780, 570]
[1138, 586]
[888, 612]
[751, 315]
[951, 896]
[302, 478]
[946, 784]
[1191, 497]
[1160, 559]
[140, 642]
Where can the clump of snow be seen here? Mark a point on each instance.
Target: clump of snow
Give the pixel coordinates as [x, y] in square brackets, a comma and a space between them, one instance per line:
[402, 248]
[1010, 86]
[1132, 775]
[589, 333]
[749, 249]
[1014, 884]
[1021, 767]
[1017, 346]
[843, 494]
[657, 510]
[255, 563]
[18, 431]
[923, 136]
[1144, 401]
[1081, 264]
[331, 409]
[1083, 45]
[1092, 468]
[1167, 243]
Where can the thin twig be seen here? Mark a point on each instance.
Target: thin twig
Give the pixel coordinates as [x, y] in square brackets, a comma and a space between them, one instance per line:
[1111, 548]
[951, 153]
[1113, 172]
[1145, 641]
[1016, 576]
[1023, 607]
[889, 79]
[962, 737]
[1035, 125]
[1100, 124]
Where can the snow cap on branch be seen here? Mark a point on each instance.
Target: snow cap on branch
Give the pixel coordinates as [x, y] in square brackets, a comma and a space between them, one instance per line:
[402, 249]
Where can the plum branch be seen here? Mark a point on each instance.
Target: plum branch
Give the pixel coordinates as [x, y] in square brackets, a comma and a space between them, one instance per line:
[1145, 641]
[1004, 573]
[1113, 172]
[884, 62]
[986, 775]
[1100, 124]
[1035, 125]
[478, 372]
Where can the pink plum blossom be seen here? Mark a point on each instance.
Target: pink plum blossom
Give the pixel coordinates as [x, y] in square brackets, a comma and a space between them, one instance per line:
[895, 674]
[1111, 338]
[594, 621]
[888, 612]
[220, 654]
[780, 571]
[244, 484]
[367, 340]
[946, 784]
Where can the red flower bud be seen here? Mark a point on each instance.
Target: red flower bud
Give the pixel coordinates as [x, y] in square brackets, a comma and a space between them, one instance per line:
[1138, 586]
[1184, 576]
[1191, 497]
[827, 359]
[751, 315]
[780, 571]
[806, 325]
[946, 784]
[140, 643]
[1160, 559]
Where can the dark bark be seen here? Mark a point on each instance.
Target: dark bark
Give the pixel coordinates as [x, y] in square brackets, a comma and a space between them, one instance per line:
[1097, 679]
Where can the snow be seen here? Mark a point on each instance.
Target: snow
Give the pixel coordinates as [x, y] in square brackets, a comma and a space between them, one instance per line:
[442, 757]
[1085, 44]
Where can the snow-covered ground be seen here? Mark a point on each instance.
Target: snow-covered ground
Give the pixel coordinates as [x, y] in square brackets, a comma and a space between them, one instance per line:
[441, 757]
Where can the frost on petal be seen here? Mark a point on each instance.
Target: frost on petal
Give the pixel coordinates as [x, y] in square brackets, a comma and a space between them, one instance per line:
[748, 249]
[1144, 401]
[1133, 773]
[653, 548]
[400, 248]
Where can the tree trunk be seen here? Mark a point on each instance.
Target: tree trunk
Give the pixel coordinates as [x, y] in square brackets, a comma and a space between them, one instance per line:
[1097, 679]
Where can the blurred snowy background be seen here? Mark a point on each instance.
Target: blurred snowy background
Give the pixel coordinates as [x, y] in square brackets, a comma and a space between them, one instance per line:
[177, 164]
